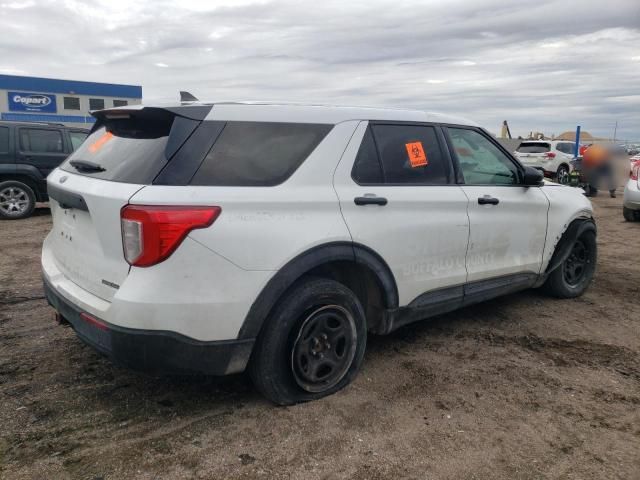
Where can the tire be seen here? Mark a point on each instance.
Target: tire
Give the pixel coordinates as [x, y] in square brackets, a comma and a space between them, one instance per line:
[572, 278]
[17, 200]
[317, 321]
[628, 214]
[562, 175]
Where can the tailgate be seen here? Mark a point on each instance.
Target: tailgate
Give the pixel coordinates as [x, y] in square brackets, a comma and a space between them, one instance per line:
[85, 240]
[531, 158]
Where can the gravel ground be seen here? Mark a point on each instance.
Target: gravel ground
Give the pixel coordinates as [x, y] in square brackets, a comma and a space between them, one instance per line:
[523, 387]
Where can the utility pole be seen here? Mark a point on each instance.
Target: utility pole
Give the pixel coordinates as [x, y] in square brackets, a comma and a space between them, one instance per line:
[615, 130]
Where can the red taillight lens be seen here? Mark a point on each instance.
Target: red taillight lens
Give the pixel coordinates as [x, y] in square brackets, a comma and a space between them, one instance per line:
[550, 155]
[150, 234]
[635, 170]
[93, 321]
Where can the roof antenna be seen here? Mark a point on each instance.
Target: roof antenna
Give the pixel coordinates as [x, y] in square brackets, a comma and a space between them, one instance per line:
[186, 97]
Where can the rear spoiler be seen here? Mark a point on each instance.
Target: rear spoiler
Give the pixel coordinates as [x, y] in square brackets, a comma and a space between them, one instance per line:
[194, 112]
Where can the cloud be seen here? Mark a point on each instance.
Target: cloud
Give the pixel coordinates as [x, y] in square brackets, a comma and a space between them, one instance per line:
[546, 65]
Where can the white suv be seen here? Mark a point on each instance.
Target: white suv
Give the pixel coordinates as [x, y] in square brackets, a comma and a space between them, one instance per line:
[212, 238]
[553, 157]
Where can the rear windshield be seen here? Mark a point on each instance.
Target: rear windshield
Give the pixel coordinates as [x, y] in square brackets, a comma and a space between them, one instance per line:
[128, 150]
[533, 147]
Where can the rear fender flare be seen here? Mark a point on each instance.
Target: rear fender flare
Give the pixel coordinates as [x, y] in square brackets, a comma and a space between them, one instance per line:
[305, 262]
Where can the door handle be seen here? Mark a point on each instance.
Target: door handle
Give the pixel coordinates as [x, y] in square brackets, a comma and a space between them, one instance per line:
[488, 200]
[370, 200]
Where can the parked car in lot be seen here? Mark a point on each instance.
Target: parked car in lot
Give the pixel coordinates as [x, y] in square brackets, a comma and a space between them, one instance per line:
[215, 238]
[553, 157]
[631, 203]
[28, 153]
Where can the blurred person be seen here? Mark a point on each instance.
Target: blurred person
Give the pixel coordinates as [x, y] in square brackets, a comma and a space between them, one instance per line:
[598, 164]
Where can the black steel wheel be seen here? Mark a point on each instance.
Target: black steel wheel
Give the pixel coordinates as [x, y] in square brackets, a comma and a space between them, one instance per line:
[573, 276]
[324, 348]
[312, 344]
[576, 265]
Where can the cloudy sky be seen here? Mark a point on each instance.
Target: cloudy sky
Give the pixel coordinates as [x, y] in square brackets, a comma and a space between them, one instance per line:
[541, 64]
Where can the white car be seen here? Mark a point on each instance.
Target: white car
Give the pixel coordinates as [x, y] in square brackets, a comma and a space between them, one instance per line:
[213, 238]
[553, 157]
[631, 202]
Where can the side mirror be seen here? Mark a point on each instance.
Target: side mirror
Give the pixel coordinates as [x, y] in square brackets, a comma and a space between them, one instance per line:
[533, 177]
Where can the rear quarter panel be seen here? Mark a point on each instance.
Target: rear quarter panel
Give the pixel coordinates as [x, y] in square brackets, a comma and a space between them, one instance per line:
[262, 228]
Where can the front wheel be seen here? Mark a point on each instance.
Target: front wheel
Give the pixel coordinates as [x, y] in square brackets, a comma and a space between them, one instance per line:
[312, 345]
[572, 278]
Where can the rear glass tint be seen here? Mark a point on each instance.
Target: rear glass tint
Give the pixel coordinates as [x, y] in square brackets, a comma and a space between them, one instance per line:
[258, 153]
[366, 168]
[130, 150]
[533, 147]
[411, 155]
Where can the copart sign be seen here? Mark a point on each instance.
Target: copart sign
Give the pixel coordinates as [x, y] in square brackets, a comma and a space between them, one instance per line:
[31, 102]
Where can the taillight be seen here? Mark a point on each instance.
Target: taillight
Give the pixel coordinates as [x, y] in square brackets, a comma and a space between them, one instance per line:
[550, 155]
[635, 170]
[150, 233]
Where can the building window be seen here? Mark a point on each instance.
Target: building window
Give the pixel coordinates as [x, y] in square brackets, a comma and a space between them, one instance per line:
[96, 103]
[120, 103]
[71, 103]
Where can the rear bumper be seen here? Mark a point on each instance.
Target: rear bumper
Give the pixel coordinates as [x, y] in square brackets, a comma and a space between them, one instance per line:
[152, 350]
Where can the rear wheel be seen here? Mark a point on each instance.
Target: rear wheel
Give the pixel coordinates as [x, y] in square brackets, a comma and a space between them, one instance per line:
[562, 175]
[572, 278]
[17, 200]
[629, 215]
[312, 345]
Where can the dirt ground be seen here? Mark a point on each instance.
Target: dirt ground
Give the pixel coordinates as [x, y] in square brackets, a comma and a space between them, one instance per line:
[523, 387]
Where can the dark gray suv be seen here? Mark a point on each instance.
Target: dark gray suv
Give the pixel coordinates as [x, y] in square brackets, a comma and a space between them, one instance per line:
[28, 153]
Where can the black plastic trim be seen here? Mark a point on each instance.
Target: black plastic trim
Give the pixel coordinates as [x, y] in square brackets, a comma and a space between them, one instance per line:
[67, 199]
[304, 263]
[444, 300]
[571, 234]
[154, 350]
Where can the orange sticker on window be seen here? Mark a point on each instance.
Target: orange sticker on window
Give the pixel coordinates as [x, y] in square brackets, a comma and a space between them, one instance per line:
[98, 144]
[417, 157]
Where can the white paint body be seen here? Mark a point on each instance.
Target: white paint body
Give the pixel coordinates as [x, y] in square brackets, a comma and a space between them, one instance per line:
[430, 236]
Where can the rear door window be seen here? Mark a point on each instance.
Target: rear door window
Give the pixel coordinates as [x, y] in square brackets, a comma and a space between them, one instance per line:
[367, 168]
[533, 147]
[410, 155]
[565, 147]
[41, 141]
[258, 153]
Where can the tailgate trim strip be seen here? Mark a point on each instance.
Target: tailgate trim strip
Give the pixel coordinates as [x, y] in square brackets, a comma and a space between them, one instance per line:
[67, 199]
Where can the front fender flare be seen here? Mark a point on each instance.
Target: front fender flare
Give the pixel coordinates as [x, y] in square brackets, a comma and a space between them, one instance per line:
[563, 248]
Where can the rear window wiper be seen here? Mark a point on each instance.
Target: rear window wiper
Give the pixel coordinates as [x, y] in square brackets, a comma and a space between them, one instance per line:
[85, 166]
